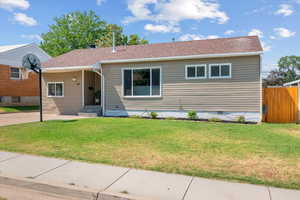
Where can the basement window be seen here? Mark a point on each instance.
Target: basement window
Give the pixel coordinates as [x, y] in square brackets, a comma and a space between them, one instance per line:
[55, 89]
[16, 99]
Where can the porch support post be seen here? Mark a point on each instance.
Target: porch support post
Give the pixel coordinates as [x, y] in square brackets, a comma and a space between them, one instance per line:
[82, 88]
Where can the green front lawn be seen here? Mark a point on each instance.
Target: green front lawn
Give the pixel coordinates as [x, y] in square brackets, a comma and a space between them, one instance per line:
[18, 108]
[261, 154]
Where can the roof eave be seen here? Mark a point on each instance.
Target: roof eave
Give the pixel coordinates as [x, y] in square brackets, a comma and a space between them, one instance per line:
[68, 68]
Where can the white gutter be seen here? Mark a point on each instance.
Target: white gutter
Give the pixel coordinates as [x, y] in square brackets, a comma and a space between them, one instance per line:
[182, 57]
[292, 83]
[70, 68]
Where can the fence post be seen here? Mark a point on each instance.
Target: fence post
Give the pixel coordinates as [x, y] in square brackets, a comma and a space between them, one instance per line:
[298, 121]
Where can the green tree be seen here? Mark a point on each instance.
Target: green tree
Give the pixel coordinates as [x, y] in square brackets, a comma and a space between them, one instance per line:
[79, 30]
[289, 65]
[106, 39]
[135, 40]
[73, 31]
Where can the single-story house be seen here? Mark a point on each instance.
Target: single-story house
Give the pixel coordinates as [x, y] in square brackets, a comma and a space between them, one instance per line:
[216, 77]
[15, 88]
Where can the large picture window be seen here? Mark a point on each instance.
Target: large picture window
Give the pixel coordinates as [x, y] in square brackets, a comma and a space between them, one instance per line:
[220, 71]
[55, 89]
[142, 82]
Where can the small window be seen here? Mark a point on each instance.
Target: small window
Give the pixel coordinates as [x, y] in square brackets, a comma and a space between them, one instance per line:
[15, 73]
[142, 82]
[195, 71]
[16, 99]
[55, 89]
[1, 99]
[220, 71]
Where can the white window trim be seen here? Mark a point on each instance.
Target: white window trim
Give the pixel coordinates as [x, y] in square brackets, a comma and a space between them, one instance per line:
[13, 78]
[151, 96]
[221, 77]
[196, 65]
[63, 89]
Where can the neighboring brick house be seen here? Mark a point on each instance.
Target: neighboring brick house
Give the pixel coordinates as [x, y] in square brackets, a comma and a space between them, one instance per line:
[15, 88]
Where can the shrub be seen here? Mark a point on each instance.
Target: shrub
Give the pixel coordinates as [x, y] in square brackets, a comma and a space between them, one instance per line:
[192, 115]
[135, 116]
[153, 115]
[241, 119]
[214, 119]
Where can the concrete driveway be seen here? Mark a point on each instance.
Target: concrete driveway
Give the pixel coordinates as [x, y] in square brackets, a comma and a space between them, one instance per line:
[19, 118]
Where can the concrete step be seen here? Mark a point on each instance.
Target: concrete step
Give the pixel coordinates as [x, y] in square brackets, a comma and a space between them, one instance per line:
[96, 107]
[88, 114]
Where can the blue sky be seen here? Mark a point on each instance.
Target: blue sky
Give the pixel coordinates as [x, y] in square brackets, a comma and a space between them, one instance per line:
[275, 21]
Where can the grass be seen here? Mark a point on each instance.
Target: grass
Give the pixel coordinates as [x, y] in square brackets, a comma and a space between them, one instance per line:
[267, 154]
[17, 108]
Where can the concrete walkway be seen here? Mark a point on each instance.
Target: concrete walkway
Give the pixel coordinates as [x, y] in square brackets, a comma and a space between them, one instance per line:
[139, 184]
[26, 117]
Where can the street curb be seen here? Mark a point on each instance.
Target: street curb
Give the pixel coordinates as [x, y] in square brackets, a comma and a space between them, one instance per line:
[64, 190]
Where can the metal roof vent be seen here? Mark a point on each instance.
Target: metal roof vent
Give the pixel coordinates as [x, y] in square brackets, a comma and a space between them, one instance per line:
[114, 43]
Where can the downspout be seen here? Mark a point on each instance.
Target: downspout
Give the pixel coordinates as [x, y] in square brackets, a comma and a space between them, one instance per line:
[261, 88]
[102, 86]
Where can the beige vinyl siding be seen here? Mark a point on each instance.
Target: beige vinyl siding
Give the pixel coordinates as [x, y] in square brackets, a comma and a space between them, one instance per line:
[71, 102]
[241, 93]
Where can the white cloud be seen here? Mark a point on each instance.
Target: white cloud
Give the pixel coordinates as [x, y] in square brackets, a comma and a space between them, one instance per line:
[23, 19]
[256, 32]
[229, 32]
[35, 37]
[284, 33]
[174, 11]
[99, 2]
[272, 37]
[188, 37]
[162, 28]
[14, 4]
[285, 10]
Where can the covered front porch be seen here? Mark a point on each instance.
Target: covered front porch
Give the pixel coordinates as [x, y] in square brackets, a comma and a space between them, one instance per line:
[92, 93]
[73, 90]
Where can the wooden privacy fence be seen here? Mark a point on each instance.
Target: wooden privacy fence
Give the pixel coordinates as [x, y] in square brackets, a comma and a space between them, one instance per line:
[280, 105]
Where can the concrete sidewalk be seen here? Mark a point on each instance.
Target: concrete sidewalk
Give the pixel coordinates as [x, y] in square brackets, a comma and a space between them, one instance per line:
[113, 183]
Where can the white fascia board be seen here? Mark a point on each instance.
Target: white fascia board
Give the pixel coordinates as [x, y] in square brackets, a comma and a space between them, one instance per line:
[71, 68]
[183, 57]
[291, 83]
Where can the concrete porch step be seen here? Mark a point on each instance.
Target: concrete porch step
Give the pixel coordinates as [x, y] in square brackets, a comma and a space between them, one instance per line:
[88, 114]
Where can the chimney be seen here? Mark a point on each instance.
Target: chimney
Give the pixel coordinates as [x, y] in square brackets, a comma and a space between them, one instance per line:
[92, 46]
[114, 42]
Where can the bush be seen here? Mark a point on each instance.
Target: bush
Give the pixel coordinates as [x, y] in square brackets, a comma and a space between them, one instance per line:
[153, 115]
[241, 119]
[214, 119]
[135, 116]
[192, 115]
